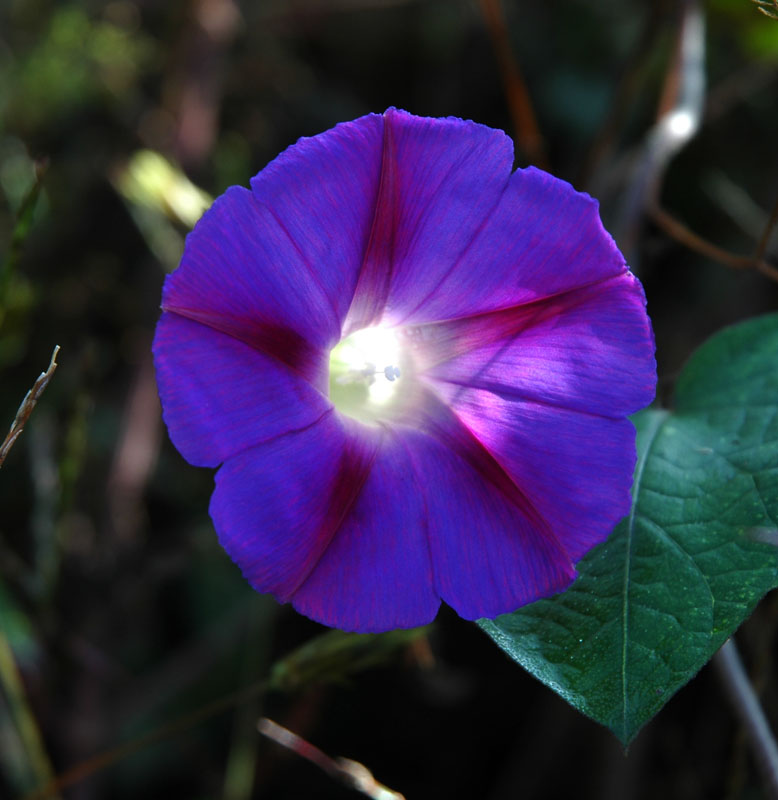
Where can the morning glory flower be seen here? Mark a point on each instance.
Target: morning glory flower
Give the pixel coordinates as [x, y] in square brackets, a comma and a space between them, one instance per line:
[413, 369]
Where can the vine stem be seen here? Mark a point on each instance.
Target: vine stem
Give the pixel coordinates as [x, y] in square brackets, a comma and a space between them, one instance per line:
[749, 711]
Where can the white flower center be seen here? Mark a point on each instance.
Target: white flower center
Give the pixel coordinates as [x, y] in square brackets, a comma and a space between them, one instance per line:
[366, 373]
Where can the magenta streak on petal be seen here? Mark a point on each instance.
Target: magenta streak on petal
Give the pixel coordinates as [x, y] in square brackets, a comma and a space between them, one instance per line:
[359, 455]
[278, 505]
[434, 343]
[589, 350]
[438, 184]
[220, 395]
[375, 274]
[276, 341]
[377, 571]
[540, 238]
[488, 557]
[435, 418]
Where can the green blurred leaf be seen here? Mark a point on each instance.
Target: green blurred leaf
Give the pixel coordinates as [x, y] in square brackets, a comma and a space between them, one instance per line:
[23, 223]
[335, 655]
[158, 194]
[23, 755]
[688, 565]
[74, 61]
[151, 181]
[16, 627]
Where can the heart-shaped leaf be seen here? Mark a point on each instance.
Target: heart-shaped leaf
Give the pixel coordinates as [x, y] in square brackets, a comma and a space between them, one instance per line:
[698, 550]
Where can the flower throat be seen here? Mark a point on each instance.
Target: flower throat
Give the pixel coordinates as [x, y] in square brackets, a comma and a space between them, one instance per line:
[366, 374]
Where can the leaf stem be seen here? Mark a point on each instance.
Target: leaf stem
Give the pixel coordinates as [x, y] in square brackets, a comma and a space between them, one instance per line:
[746, 705]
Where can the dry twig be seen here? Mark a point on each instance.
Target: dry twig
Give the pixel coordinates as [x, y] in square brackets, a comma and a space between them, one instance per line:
[28, 404]
[678, 231]
[349, 772]
[768, 7]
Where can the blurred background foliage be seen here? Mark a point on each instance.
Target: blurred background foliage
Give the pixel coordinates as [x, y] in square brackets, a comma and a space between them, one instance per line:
[118, 610]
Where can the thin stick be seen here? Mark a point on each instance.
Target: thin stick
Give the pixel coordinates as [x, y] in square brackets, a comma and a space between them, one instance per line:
[525, 125]
[747, 707]
[28, 404]
[352, 773]
[678, 231]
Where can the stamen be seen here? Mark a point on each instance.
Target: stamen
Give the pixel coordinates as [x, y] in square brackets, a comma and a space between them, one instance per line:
[367, 375]
[355, 386]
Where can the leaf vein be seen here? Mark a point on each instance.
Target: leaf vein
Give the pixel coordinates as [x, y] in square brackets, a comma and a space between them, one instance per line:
[659, 420]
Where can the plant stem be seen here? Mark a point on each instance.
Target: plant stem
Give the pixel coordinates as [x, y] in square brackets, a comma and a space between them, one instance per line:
[749, 711]
[678, 231]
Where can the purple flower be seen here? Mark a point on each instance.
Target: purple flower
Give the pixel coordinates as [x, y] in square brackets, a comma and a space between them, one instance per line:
[414, 369]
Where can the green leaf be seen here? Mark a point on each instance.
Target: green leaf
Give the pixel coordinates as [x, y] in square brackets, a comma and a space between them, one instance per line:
[25, 217]
[335, 655]
[698, 550]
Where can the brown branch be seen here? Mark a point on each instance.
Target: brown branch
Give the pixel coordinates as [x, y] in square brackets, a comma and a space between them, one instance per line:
[761, 248]
[678, 231]
[28, 404]
[525, 125]
[768, 7]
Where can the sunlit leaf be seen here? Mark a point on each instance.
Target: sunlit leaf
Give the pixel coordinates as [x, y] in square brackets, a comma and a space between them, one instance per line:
[690, 562]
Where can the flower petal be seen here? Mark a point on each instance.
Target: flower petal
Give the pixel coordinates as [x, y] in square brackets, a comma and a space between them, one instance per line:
[542, 239]
[440, 181]
[376, 573]
[277, 506]
[507, 457]
[589, 349]
[277, 266]
[220, 396]
[322, 194]
[492, 550]
[575, 468]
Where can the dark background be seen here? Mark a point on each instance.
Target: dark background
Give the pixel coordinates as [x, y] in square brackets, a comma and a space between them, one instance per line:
[120, 608]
